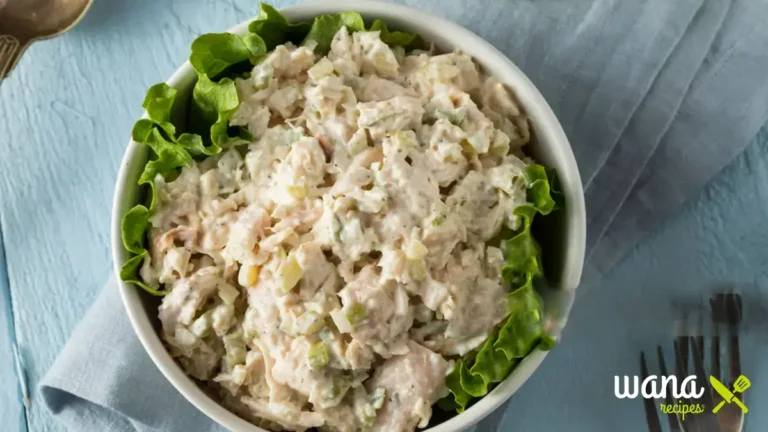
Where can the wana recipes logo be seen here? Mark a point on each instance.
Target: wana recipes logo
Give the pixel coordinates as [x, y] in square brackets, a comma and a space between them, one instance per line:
[655, 387]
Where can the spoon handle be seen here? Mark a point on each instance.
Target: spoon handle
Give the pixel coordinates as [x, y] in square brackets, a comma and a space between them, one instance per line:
[10, 51]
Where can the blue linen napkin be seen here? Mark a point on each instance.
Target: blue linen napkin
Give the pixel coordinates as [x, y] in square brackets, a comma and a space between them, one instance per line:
[722, 112]
[103, 380]
[595, 62]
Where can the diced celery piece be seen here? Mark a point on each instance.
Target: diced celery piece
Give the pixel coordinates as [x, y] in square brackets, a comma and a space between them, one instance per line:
[376, 397]
[289, 274]
[356, 314]
[318, 355]
[309, 323]
[341, 321]
[438, 220]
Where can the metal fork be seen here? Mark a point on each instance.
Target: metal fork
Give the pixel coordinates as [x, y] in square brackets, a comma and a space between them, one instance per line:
[690, 350]
[649, 405]
[726, 311]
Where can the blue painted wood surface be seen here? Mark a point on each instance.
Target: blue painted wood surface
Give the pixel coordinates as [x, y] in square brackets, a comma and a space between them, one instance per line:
[66, 113]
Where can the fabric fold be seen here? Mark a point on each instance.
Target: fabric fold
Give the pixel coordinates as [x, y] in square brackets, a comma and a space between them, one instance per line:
[722, 112]
[611, 185]
[104, 380]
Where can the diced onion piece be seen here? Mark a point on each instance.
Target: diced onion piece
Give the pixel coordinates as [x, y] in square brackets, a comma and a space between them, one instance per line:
[423, 410]
[239, 374]
[402, 302]
[201, 325]
[309, 323]
[340, 320]
[416, 250]
[417, 269]
[261, 75]
[289, 274]
[185, 338]
[287, 324]
[222, 317]
[320, 70]
[356, 314]
[357, 143]
[318, 355]
[228, 293]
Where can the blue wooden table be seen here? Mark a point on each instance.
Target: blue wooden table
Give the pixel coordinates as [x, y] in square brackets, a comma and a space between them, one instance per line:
[65, 117]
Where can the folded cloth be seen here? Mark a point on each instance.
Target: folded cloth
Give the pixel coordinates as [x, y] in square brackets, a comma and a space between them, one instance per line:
[608, 189]
[720, 115]
[103, 380]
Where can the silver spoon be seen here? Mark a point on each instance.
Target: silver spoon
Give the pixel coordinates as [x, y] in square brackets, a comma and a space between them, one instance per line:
[25, 21]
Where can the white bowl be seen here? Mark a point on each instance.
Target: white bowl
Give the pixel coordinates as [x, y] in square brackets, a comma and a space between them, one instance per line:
[551, 148]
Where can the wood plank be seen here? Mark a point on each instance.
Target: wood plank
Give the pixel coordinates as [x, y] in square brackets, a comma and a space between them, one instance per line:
[66, 114]
[11, 400]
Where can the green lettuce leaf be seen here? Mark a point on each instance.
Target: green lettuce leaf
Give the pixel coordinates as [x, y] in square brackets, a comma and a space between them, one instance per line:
[130, 270]
[395, 38]
[217, 102]
[325, 27]
[195, 145]
[215, 97]
[158, 103]
[521, 332]
[459, 397]
[168, 154]
[539, 194]
[213, 53]
[225, 136]
[523, 251]
[275, 29]
[134, 228]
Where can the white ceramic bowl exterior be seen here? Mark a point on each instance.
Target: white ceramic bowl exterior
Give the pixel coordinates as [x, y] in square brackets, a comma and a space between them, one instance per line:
[551, 148]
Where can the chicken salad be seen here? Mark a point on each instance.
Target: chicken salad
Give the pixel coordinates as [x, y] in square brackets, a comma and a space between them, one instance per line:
[333, 257]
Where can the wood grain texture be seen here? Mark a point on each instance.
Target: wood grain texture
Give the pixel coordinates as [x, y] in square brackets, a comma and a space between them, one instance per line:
[65, 115]
[11, 399]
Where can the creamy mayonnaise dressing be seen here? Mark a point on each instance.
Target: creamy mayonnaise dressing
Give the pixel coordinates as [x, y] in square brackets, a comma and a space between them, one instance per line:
[330, 273]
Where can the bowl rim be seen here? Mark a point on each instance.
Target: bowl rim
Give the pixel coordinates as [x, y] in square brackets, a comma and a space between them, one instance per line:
[536, 107]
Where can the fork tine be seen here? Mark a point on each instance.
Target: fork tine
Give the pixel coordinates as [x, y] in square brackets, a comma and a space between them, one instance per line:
[649, 405]
[705, 421]
[698, 342]
[733, 317]
[681, 372]
[714, 351]
[674, 422]
[681, 357]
